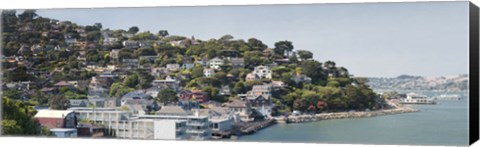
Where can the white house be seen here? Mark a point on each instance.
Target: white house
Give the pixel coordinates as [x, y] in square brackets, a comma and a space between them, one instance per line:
[263, 72]
[208, 72]
[251, 77]
[169, 82]
[130, 44]
[215, 63]
[173, 67]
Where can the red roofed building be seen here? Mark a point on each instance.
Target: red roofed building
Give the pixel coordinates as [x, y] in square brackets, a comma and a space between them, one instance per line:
[200, 96]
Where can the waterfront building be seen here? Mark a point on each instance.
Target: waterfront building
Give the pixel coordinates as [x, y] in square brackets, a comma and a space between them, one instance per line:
[222, 120]
[242, 108]
[86, 129]
[154, 129]
[198, 127]
[56, 118]
[112, 119]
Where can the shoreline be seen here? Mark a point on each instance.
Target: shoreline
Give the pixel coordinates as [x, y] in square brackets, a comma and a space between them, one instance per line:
[342, 115]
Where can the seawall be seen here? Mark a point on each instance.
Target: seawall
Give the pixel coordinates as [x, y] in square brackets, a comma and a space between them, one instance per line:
[341, 115]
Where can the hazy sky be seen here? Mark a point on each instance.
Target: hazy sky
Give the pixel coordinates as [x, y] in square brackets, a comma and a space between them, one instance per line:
[375, 39]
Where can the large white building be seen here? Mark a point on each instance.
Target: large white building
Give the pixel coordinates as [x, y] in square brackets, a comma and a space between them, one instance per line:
[153, 129]
[112, 119]
[198, 127]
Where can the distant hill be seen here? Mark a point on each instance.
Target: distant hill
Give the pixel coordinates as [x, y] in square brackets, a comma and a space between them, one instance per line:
[409, 82]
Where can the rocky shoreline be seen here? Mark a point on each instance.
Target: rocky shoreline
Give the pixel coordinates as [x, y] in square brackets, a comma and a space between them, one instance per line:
[341, 115]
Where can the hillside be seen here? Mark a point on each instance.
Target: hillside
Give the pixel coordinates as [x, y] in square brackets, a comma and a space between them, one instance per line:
[406, 82]
[49, 62]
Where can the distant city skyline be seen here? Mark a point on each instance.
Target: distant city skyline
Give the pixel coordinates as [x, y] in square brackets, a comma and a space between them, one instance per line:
[370, 39]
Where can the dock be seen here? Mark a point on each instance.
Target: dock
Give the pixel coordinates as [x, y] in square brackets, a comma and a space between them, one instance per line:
[255, 126]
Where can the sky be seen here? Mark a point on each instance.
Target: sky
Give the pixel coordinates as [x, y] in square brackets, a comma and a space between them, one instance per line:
[369, 39]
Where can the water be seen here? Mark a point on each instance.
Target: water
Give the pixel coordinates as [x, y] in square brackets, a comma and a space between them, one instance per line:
[443, 124]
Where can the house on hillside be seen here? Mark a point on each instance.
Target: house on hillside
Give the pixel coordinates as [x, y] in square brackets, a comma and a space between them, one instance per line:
[129, 44]
[242, 108]
[200, 96]
[252, 77]
[168, 82]
[263, 72]
[159, 72]
[237, 62]
[173, 67]
[79, 103]
[130, 63]
[187, 63]
[215, 63]
[300, 78]
[208, 72]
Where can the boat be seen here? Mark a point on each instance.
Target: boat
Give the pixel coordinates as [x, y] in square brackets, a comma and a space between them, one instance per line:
[413, 98]
[449, 97]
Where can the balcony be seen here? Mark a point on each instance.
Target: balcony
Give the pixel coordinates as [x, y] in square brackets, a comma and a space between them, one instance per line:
[194, 131]
[196, 124]
[181, 129]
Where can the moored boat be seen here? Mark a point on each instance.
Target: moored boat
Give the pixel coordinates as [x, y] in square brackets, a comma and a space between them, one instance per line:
[413, 98]
[449, 97]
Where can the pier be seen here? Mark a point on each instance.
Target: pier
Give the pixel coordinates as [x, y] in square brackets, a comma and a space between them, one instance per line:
[253, 127]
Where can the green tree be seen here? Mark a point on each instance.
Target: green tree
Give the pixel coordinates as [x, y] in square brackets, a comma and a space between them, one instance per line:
[163, 33]
[256, 44]
[282, 47]
[212, 92]
[118, 90]
[131, 81]
[221, 76]
[304, 54]
[239, 88]
[133, 30]
[17, 74]
[17, 118]
[167, 96]
[197, 72]
[27, 15]
[314, 70]
[58, 102]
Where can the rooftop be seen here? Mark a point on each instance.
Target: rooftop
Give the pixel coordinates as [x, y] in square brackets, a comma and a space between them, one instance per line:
[52, 113]
[174, 110]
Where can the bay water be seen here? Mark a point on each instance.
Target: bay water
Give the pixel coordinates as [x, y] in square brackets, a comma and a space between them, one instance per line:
[444, 124]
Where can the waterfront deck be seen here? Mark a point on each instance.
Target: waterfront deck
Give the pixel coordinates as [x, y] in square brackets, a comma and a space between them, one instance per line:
[253, 127]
